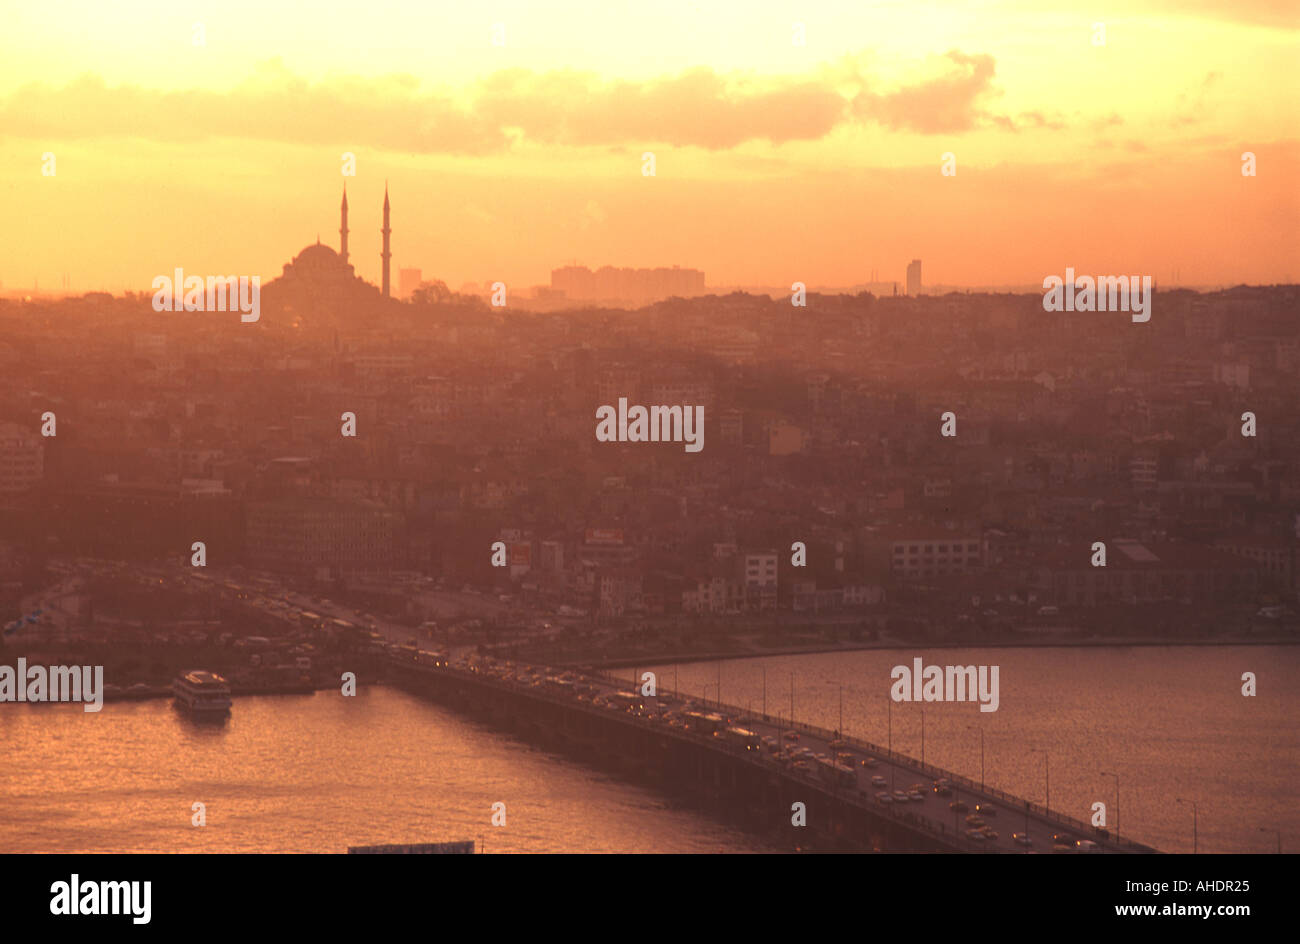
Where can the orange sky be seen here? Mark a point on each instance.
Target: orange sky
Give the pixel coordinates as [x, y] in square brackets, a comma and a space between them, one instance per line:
[775, 161]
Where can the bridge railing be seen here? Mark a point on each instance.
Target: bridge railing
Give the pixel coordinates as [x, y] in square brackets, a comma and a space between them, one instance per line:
[567, 700]
[927, 770]
[760, 761]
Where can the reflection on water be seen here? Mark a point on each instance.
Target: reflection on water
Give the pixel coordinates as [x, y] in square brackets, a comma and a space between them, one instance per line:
[1171, 722]
[324, 772]
[313, 774]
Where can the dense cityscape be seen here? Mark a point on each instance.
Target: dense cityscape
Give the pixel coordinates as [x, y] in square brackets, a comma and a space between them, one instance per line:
[906, 469]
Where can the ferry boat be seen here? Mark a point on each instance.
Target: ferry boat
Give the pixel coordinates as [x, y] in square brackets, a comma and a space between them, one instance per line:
[203, 694]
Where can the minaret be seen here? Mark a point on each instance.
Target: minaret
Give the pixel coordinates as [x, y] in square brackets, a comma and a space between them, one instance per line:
[386, 255]
[343, 230]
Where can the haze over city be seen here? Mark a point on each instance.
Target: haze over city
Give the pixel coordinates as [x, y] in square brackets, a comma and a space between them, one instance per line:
[648, 428]
[775, 161]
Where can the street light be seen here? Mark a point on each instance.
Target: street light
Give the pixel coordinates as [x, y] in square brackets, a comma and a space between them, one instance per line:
[1116, 776]
[889, 712]
[972, 727]
[1279, 837]
[1047, 771]
[922, 738]
[1180, 801]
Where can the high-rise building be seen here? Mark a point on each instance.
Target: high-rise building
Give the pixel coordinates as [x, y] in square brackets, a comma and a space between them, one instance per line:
[758, 573]
[914, 277]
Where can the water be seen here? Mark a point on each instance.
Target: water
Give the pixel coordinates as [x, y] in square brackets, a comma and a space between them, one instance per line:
[313, 774]
[1171, 722]
[318, 774]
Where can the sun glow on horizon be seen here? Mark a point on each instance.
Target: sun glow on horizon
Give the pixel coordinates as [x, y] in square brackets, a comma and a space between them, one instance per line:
[775, 160]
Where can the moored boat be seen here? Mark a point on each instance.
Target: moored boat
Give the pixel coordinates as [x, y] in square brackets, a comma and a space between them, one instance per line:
[202, 693]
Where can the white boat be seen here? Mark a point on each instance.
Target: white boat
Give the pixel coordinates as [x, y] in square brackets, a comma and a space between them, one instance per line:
[202, 693]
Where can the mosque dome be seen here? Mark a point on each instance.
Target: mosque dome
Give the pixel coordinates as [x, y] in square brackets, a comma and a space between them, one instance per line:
[320, 285]
[317, 255]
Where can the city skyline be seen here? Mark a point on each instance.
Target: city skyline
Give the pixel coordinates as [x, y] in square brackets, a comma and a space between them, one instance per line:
[509, 160]
[649, 429]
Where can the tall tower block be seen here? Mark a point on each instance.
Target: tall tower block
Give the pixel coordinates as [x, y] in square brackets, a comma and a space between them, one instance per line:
[343, 230]
[386, 255]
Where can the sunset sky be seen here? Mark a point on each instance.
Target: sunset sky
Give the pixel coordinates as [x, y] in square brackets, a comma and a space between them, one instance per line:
[775, 161]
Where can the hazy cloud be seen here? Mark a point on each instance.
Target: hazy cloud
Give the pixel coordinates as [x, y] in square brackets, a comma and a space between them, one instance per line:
[944, 104]
[698, 107]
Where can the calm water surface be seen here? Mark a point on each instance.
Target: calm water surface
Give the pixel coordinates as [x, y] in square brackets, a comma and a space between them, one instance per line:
[317, 774]
[1172, 722]
[313, 774]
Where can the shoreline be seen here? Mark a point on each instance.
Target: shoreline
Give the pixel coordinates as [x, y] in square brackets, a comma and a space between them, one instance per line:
[892, 645]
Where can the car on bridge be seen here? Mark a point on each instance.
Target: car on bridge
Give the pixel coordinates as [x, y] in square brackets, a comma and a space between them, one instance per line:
[1063, 842]
[837, 774]
[743, 738]
[1022, 838]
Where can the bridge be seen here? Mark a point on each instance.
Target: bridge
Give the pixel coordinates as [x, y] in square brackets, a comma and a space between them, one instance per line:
[749, 766]
[672, 742]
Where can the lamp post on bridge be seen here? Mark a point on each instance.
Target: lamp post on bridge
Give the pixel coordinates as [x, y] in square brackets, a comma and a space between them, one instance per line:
[923, 739]
[972, 727]
[1047, 771]
[1180, 801]
[889, 711]
[1116, 776]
